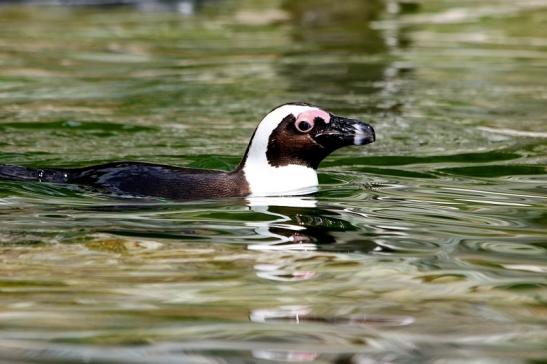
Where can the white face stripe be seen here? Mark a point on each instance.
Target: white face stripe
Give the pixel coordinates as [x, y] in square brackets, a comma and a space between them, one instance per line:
[259, 144]
[264, 179]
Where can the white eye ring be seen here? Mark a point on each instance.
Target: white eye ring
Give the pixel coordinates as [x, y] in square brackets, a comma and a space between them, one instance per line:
[304, 126]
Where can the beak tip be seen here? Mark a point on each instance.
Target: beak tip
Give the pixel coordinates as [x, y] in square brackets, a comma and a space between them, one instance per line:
[364, 134]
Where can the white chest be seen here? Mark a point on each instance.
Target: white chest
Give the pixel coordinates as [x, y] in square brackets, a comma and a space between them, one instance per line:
[265, 180]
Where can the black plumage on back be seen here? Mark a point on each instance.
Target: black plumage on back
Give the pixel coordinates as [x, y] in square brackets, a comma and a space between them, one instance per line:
[139, 179]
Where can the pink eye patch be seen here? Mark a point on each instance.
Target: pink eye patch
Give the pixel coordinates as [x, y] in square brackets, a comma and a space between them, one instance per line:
[310, 116]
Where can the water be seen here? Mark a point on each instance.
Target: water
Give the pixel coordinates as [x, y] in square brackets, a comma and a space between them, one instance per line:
[427, 246]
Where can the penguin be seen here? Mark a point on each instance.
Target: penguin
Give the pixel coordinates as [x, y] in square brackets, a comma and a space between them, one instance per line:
[281, 158]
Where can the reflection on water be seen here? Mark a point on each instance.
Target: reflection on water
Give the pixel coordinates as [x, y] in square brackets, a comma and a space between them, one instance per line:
[297, 223]
[429, 246]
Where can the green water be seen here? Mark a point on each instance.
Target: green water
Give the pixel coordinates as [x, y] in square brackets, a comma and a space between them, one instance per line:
[428, 246]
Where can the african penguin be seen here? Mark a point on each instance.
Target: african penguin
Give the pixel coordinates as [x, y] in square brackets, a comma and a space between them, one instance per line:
[281, 159]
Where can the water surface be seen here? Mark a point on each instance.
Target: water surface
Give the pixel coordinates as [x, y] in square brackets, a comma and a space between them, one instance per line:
[427, 246]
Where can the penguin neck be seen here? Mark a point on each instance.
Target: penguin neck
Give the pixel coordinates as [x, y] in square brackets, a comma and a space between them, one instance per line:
[264, 179]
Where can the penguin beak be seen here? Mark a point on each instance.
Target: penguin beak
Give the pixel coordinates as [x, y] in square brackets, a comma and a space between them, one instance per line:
[342, 131]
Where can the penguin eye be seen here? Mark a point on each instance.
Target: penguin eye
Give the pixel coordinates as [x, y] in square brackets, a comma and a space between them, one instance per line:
[304, 126]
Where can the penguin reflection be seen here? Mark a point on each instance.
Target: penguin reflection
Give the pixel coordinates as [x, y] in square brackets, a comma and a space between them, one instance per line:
[299, 224]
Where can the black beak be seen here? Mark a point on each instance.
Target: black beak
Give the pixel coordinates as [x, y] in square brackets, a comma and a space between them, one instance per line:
[342, 131]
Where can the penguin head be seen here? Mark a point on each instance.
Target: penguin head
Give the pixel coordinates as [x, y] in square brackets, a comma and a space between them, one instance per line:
[303, 135]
